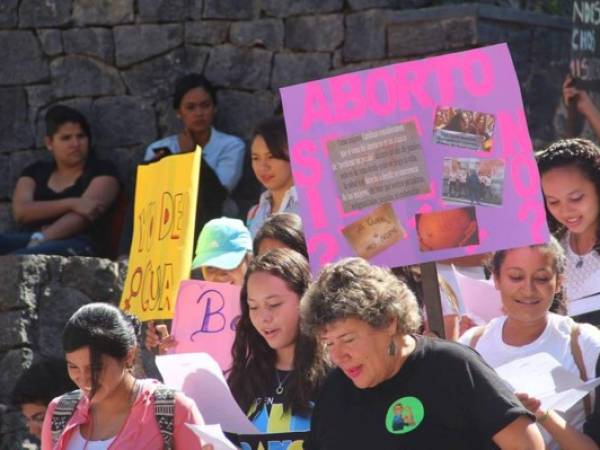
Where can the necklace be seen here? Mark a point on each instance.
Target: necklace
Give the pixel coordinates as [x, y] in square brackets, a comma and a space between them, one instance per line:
[577, 251]
[280, 382]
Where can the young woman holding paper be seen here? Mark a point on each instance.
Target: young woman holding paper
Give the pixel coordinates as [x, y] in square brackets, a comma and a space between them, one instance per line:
[276, 367]
[530, 283]
[570, 177]
[271, 165]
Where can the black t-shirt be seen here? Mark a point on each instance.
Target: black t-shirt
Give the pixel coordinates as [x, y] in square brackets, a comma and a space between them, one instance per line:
[41, 172]
[443, 397]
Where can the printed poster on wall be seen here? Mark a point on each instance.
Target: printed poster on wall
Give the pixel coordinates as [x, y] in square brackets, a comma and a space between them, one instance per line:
[163, 233]
[415, 162]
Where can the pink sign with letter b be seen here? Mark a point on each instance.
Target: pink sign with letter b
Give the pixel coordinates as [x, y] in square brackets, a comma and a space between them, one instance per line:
[206, 315]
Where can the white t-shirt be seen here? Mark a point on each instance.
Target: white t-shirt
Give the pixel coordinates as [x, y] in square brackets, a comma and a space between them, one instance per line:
[556, 341]
[582, 274]
[78, 442]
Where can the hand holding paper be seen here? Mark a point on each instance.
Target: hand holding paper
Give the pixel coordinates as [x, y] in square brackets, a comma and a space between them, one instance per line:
[553, 385]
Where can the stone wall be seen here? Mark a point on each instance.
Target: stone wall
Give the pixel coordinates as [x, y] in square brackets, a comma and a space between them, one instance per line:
[116, 60]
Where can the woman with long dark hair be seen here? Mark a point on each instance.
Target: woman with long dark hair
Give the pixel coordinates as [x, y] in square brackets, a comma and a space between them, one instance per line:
[277, 368]
[271, 165]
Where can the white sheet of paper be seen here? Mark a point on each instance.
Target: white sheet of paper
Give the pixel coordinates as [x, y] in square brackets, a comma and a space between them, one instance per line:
[584, 305]
[212, 434]
[546, 380]
[563, 401]
[480, 297]
[199, 376]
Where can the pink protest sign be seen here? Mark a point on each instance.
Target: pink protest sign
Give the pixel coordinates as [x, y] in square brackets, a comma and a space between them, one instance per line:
[205, 318]
[415, 162]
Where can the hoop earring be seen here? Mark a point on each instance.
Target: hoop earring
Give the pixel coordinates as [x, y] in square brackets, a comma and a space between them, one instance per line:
[392, 348]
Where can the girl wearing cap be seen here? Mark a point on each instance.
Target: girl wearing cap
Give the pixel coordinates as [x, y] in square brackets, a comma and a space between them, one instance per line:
[271, 165]
[223, 252]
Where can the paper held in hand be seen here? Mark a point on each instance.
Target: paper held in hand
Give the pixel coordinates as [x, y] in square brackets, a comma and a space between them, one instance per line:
[556, 387]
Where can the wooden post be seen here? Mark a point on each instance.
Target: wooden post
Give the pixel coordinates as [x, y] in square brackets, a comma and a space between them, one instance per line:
[431, 298]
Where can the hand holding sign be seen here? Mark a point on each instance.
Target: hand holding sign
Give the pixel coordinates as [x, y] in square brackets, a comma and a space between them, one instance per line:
[163, 233]
[158, 336]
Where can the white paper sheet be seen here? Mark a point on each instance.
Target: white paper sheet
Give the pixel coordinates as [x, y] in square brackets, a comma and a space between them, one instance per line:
[200, 378]
[543, 377]
[212, 434]
[584, 305]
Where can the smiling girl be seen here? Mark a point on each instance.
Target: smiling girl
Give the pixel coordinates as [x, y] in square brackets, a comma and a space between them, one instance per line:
[570, 176]
[530, 283]
[276, 367]
[113, 409]
[271, 165]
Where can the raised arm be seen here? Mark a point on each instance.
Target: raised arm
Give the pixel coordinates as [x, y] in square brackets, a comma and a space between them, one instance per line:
[583, 102]
[520, 434]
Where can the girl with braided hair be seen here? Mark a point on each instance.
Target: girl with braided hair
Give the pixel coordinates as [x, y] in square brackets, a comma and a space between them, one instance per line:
[570, 177]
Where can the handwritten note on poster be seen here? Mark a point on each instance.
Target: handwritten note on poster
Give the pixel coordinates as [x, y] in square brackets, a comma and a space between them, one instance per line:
[163, 234]
[206, 315]
[364, 139]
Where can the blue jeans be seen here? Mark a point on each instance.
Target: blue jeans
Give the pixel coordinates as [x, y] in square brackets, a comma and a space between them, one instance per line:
[16, 244]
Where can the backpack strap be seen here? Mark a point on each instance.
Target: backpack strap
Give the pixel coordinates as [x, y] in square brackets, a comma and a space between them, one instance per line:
[477, 333]
[578, 357]
[63, 412]
[164, 412]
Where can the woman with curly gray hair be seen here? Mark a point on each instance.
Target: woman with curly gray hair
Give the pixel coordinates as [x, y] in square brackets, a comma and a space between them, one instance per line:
[387, 392]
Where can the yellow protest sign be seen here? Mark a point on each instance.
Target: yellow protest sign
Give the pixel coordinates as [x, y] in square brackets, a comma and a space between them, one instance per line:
[163, 235]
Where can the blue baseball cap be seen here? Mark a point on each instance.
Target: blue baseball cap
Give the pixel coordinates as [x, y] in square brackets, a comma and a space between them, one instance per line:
[223, 243]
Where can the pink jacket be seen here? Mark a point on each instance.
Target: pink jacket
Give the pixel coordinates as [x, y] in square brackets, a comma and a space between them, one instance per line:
[140, 431]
